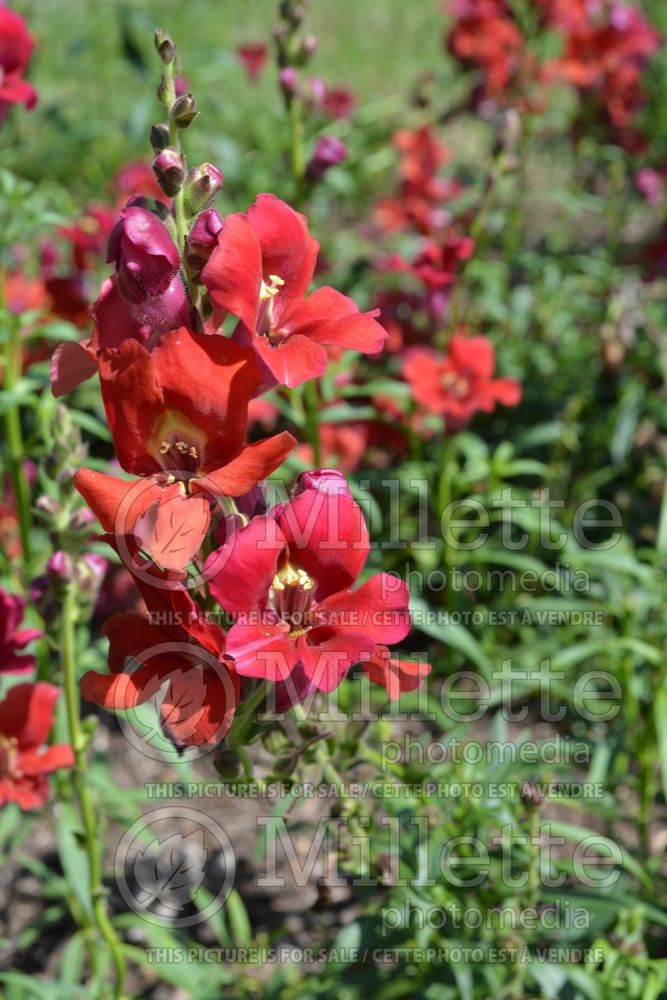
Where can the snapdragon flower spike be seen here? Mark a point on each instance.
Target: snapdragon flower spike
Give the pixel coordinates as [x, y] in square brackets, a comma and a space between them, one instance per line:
[26, 719]
[459, 383]
[260, 272]
[177, 416]
[176, 650]
[143, 300]
[14, 638]
[287, 578]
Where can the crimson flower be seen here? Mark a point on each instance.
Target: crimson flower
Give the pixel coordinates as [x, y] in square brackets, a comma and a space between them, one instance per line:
[287, 577]
[16, 45]
[178, 416]
[12, 637]
[174, 648]
[459, 383]
[252, 57]
[260, 272]
[26, 719]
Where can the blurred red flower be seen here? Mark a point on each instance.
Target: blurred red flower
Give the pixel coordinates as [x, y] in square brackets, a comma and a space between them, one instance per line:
[460, 382]
[16, 45]
[26, 719]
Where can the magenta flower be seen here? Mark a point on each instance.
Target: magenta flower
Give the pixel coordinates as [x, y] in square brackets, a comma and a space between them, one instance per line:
[12, 637]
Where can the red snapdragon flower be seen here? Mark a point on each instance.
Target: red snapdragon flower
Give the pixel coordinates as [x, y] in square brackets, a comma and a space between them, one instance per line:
[606, 52]
[173, 647]
[287, 576]
[485, 37]
[253, 56]
[422, 191]
[26, 719]
[178, 416]
[260, 272]
[460, 382]
[16, 45]
[12, 637]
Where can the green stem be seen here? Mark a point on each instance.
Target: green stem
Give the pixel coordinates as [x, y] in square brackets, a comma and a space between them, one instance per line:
[296, 149]
[245, 719]
[311, 407]
[448, 468]
[15, 449]
[81, 789]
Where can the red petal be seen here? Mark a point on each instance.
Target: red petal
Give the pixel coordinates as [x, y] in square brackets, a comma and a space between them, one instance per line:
[473, 356]
[288, 249]
[294, 361]
[27, 713]
[200, 713]
[327, 537]
[71, 364]
[378, 609]
[241, 571]
[328, 317]
[262, 650]
[233, 274]
[117, 503]
[133, 403]
[173, 529]
[53, 758]
[254, 463]
[327, 655]
[393, 674]
[507, 391]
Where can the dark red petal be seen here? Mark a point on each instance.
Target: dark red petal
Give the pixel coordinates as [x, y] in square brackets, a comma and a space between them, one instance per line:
[241, 571]
[200, 712]
[133, 403]
[27, 713]
[209, 381]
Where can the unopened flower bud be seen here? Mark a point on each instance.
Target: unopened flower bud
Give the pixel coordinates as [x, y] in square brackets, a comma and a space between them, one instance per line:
[289, 81]
[164, 46]
[308, 46]
[48, 505]
[325, 480]
[81, 521]
[159, 137]
[184, 111]
[201, 187]
[329, 152]
[202, 238]
[169, 168]
[59, 567]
